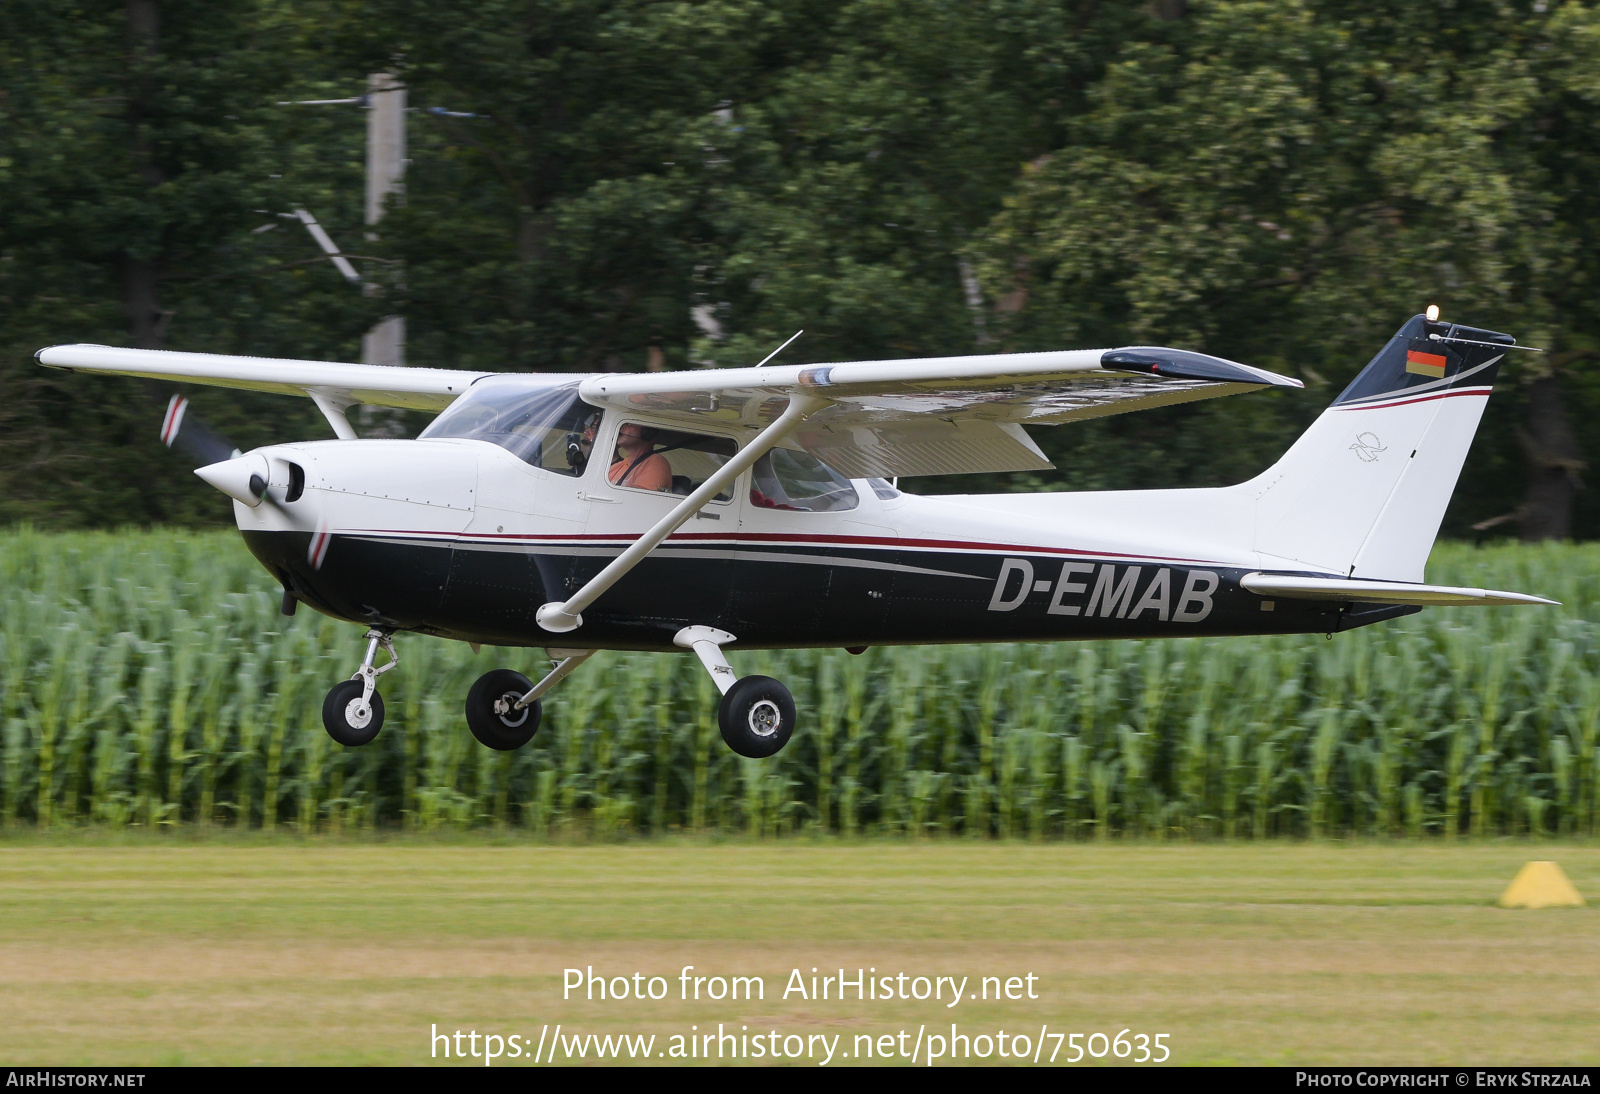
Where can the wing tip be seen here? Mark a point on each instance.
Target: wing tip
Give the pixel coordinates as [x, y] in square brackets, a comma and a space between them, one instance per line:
[1520, 598]
[1182, 364]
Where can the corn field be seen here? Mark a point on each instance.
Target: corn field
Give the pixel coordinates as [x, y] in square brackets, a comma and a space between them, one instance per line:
[149, 680]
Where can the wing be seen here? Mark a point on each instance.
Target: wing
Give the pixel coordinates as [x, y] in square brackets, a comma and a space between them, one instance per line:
[341, 384]
[937, 415]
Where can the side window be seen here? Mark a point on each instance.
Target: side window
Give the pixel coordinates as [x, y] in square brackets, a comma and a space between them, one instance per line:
[667, 461]
[798, 481]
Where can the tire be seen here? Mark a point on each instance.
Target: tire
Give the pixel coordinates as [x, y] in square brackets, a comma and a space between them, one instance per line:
[502, 732]
[757, 717]
[339, 715]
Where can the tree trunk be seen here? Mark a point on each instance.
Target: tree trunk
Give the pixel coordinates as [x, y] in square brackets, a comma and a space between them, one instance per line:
[1553, 464]
[141, 298]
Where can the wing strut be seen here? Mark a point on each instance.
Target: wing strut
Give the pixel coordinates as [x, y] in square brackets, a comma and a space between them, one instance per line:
[333, 409]
[560, 618]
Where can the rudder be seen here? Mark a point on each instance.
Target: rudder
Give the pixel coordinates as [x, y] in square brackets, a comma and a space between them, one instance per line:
[1363, 491]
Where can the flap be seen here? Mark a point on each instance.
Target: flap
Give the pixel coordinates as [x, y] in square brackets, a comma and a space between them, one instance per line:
[923, 447]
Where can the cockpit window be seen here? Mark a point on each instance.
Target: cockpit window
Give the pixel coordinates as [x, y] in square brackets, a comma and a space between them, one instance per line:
[548, 427]
[667, 461]
[798, 481]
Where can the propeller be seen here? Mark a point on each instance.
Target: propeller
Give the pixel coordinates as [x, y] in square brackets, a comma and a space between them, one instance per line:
[192, 435]
[242, 476]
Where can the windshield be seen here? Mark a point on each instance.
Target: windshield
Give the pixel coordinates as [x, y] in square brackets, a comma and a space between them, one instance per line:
[548, 427]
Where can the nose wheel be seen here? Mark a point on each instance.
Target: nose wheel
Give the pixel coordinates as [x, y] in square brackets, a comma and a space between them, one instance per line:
[353, 711]
[348, 718]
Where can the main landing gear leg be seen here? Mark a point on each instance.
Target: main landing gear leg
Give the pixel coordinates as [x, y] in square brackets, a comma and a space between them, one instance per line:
[757, 713]
[353, 711]
[503, 708]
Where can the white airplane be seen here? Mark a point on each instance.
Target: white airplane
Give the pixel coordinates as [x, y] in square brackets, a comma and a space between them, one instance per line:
[755, 508]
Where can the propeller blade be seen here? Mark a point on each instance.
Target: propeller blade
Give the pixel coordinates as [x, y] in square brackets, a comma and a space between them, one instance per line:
[193, 436]
[317, 549]
[242, 477]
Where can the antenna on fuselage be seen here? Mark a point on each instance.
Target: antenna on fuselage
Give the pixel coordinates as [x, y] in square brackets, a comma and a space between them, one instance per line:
[783, 347]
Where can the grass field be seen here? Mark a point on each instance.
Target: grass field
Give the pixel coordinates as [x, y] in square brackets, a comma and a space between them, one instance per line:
[133, 949]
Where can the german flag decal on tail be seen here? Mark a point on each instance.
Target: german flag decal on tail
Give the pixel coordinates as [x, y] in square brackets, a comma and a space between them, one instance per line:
[1424, 363]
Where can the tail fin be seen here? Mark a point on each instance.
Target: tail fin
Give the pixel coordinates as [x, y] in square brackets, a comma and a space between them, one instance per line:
[1363, 491]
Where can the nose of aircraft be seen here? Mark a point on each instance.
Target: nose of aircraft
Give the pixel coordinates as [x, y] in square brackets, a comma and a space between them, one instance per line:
[243, 478]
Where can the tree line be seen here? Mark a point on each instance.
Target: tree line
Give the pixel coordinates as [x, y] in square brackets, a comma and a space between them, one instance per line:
[623, 184]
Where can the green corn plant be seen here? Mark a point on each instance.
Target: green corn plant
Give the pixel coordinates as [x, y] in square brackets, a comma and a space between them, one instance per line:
[829, 715]
[1266, 778]
[1324, 748]
[705, 734]
[153, 677]
[1232, 776]
[216, 710]
[252, 716]
[1073, 784]
[61, 675]
[1041, 776]
[95, 693]
[663, 707]
[856, 715]
[185, 652]
[1456, 722]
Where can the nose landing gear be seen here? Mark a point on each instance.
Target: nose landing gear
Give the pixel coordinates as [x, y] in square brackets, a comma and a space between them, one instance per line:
[756, 714]
[353, 711]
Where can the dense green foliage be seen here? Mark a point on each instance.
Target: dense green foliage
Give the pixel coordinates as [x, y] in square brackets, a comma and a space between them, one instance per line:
[148, 680]
[1282, 181]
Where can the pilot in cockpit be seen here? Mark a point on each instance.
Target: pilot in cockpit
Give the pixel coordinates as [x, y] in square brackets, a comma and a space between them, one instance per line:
[638, 464]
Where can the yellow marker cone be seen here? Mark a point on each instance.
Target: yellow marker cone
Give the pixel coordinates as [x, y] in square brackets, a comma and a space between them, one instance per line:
[1540, 885]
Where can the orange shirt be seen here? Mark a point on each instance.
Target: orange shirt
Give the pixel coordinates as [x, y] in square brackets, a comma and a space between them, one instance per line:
[651, 473]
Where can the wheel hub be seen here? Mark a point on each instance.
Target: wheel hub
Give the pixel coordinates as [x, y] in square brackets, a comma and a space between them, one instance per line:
[505, 708]
[357, 713]
[765, 718]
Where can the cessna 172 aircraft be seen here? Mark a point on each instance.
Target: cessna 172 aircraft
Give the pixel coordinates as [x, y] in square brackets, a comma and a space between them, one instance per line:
[755, 507]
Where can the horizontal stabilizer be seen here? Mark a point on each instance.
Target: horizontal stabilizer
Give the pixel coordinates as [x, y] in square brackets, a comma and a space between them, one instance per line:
[1296, 587]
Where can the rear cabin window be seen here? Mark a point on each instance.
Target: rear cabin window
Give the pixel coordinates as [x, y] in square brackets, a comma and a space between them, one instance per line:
[548, 427]
[666, 461]
[799, 482]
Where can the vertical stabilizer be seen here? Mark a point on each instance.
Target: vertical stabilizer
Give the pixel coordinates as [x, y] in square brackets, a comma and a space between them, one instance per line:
[1363, 491]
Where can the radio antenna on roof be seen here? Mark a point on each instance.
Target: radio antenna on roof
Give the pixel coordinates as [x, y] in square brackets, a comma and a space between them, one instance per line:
[781, 348]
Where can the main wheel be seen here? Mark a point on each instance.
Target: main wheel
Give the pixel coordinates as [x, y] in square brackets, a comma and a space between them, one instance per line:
[492, 715]
[344, 719]
[756, 716]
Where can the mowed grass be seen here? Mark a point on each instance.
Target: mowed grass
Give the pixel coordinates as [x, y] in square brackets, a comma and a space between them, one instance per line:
[142, 950]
